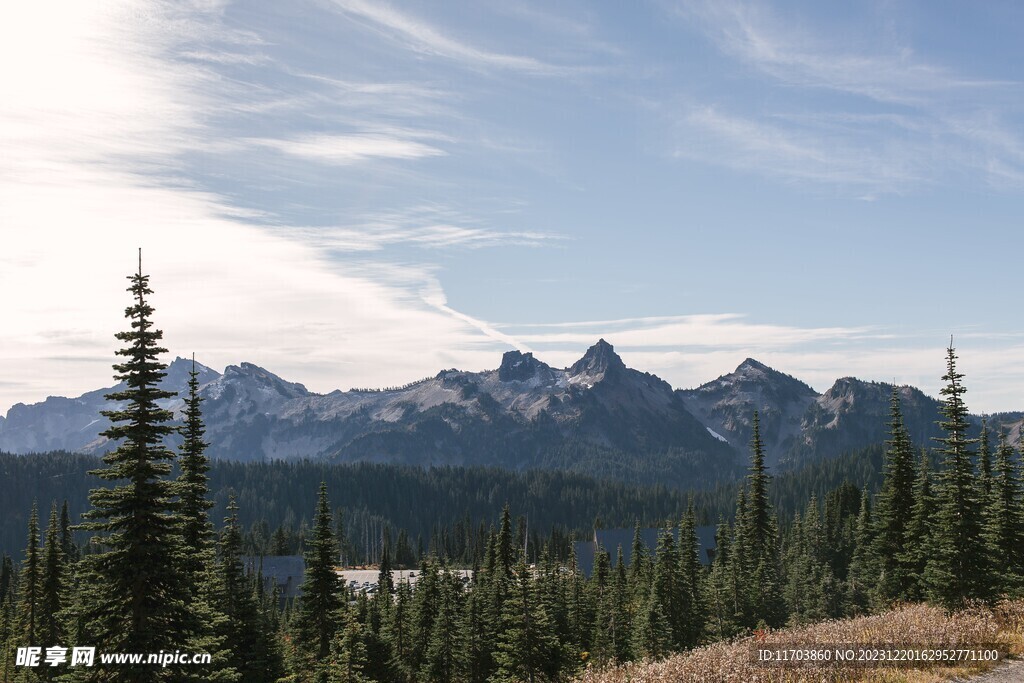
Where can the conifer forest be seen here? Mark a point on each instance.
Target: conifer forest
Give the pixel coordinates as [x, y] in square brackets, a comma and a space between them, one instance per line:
[153, 552]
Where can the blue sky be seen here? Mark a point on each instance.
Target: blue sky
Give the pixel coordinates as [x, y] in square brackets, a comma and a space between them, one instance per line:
[357, 193]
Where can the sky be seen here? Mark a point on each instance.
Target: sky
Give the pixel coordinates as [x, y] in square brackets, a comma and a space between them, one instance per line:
[353, 193]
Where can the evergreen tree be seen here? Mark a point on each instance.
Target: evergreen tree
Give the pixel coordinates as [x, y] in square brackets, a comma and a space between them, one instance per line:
[918, 539]
[984, 465]
[602, 649]
[621, 628]
[527, 649]
[6, 578]
[29, 582]
[350, 656]
[67, 538]
[240, 629]
[320, 606]
[138, 597]
[1004, 521]
[692, 608]
[580, 609]
[758, 523]
[666, 591]
[720, 592]
[385, 581]
[862, 575]
[425, 601]
[446, 660]
[208, 625]
[397, 629]
[638, 573]
[957, 567]
[894, 510]
[194, 489]
[52, 585]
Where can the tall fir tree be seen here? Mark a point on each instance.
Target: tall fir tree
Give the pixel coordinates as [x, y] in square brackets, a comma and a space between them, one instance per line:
[758, 521]
[233, 599]
[918, 539]
[320, 606]
[194, 488]
[693, 611]
[52, 585]
[958, 566]
[1004, 519]
[446, 659]
[528, 650]
[29, 581]
[862, 576]
[138, 597]
[894, 510]
[350, 658]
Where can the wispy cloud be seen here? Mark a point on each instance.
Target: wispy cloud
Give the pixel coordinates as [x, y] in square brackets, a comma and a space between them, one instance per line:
[428, 226]
[873, 114]
[427, 39]
[349, 149]
[797, 56]
[97, 137]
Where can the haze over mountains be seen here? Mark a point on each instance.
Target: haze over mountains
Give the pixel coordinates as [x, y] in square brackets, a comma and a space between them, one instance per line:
[597, 416]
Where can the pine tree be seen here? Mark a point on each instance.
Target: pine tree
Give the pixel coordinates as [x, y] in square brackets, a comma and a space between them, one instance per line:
[622, 612]
[29, 582]
[984, 465]
[197, 558]
[666, 590]
[67, 539]
[1004, 521]
[720, 591]
[397, 629]
[918, 539]
[138, 597]
[862, 575]
[638, 573]
[194, 489]
[320, 606]
[52, 585]
[527, 649]
[424, 611]
[446, 660]
[601, 649]
[756, 545]
[232, 598]
[957, 567]
[894, 510]
[350, 656]
[693, 611]
[758, 524]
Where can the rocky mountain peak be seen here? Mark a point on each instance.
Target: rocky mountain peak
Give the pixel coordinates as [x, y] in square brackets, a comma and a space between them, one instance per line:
[248, 373]
[517, 366]
[600, 359]
[752, 366]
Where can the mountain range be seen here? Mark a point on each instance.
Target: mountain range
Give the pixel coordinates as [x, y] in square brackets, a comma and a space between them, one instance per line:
[597, 416]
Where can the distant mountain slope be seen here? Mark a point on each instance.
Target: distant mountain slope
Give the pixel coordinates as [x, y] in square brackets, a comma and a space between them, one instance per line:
[727, 404]
[597, 416]
[798, 424]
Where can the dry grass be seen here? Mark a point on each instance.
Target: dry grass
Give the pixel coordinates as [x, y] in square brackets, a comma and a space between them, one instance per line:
[911, 624]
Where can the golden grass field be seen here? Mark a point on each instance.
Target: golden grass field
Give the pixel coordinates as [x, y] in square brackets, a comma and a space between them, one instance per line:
[911, 624]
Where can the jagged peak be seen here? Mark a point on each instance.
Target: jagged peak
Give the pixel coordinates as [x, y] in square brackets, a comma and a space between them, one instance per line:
[519, 366]
[753, 364]
[255, 372]
[599, 358]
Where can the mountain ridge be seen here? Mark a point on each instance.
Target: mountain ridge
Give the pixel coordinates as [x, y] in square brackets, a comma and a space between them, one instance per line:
[525, 413]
